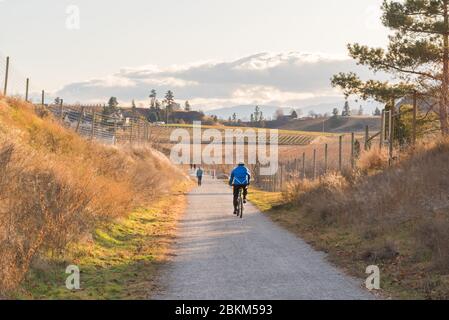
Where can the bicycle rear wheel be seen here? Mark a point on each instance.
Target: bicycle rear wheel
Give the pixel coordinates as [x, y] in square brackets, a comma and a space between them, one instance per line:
[240, 205]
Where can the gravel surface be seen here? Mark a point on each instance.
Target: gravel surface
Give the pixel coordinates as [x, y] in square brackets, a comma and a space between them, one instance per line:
[219, 256]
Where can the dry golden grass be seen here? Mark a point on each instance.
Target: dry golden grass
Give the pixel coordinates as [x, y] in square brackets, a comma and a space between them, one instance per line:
[55, 186]
[394, 217]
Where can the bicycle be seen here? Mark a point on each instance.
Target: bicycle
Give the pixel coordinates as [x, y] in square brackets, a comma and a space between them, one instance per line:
[240, 204]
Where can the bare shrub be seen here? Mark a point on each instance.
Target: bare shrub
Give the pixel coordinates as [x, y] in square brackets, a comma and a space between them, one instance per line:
[410, 198]
[55, 186]
[433, 236]
[373, 160]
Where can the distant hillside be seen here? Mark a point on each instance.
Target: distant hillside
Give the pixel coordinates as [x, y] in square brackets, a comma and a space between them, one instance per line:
[244, 112]
[340, 124]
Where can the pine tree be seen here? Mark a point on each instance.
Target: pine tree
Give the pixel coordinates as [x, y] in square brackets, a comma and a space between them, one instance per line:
[187, 106]
[169, 99]
[335, 112]
[294, 115]
[153, 97]
[417, 53]
[257, 114]
[346, 110]
[377, 112]
[169, 102]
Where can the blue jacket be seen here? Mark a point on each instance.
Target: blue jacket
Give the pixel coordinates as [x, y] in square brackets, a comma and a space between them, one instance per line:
[240, 176]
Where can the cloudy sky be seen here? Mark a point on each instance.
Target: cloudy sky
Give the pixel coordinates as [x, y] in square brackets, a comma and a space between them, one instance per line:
[213, 53]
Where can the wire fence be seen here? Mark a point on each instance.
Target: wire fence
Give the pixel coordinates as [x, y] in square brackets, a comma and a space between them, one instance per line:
[92, 122]
[314, 161]
[14, 82]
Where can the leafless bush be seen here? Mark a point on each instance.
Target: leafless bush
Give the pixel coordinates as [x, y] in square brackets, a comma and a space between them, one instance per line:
[55, 186]
[412, 196]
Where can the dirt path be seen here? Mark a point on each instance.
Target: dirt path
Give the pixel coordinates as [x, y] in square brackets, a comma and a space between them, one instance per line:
[221, 257]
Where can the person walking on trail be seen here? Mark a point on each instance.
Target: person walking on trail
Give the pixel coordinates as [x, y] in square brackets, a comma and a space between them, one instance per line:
[240, 179]
[199, 175]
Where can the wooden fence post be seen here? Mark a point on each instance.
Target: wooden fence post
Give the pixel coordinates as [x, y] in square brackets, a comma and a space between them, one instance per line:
[138, 131]
[281, 179]
[352, 150]
[391, 133]
[366, 138]
[382, 130]
[131, 132]
[415, 110]
[340, 150]
[79, 119]
[303, 165]
[43, 98]
[115, 130]
[27, 87]
[325, 158]
[61, 110]
[92, 131]
[314, 164]
[5, 88]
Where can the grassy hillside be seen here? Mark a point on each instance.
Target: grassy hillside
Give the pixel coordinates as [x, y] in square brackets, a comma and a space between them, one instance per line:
[57, 189]
[396, 218]
[285, 137]
[334, 125]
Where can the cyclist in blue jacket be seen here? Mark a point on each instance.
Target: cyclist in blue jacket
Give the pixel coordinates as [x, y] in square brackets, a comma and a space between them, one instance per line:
[240, 179]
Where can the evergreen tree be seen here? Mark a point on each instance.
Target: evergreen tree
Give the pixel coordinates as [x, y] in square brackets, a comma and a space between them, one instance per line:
[111, 107]
[153, 99]
[346, 110]
[417, 53]
[257, 113]
[294, 115]
[335, 113]
[377, 112]
[169, 98]
[169, 102]
[187, 106]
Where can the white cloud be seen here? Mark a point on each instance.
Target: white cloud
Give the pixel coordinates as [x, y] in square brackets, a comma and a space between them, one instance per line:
[291, 79]
[169, 82]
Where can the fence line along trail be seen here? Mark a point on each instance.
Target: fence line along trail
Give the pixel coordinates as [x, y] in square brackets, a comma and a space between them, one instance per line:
[218, 256]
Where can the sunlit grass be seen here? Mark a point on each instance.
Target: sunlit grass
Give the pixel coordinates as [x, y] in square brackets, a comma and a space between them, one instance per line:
[120, 261]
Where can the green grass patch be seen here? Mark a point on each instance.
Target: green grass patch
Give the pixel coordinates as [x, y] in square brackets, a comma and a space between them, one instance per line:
[121, 259]
[264, 200]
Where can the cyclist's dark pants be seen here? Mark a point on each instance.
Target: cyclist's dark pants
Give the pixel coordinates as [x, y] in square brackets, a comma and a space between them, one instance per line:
[236, 194]
[200, 180]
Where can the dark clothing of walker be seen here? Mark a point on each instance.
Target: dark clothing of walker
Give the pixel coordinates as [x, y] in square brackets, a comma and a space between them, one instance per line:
[199, 175]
